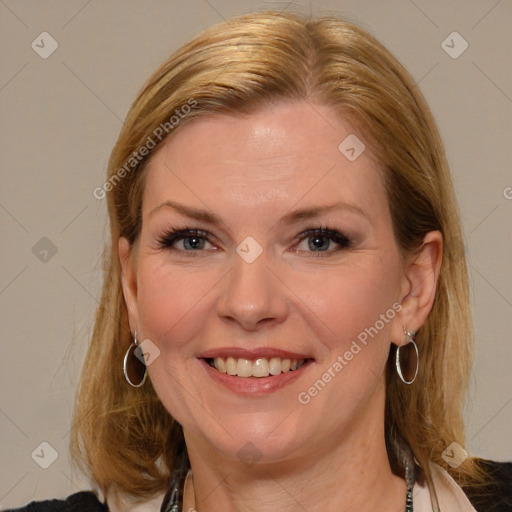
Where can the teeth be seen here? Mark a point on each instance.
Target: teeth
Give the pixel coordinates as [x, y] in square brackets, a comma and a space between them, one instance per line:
[231, 366]
[261, 367]
[275, 366]
[244, 368]
[221, 365]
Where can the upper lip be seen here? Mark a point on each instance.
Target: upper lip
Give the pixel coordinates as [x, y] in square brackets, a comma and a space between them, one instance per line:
[252, 354]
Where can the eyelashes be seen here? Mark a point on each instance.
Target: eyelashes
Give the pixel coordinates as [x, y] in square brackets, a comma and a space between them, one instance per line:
[314, 240]
[196, 239]
[317, 236]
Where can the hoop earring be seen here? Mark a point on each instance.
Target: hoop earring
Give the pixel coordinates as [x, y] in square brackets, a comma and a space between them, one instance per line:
[134, 368]
[410, 336]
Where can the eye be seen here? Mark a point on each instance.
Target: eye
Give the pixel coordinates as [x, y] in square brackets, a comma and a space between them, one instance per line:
[322, 240]
[193, 243]
[190, 240]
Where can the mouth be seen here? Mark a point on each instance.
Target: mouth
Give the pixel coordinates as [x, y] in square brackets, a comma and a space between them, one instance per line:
[258, 368]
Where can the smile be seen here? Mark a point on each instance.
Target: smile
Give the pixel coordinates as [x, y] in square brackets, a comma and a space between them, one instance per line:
[259, 368]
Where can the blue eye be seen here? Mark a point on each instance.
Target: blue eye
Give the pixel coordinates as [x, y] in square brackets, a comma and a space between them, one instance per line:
[193, 243]
[323, 240]
[319, 243]
[185, 240]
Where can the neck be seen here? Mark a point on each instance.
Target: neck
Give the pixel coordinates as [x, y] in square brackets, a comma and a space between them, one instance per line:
[351, 474]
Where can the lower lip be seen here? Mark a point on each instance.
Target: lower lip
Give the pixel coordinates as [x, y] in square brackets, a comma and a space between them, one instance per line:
[254, 386]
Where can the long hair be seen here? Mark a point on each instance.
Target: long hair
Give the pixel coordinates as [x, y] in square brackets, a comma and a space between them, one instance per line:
[123, 437]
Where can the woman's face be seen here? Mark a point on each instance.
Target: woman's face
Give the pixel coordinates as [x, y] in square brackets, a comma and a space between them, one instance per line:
[266, 245]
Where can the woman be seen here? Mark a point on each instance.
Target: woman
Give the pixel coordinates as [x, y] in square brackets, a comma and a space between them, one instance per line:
[286, 260]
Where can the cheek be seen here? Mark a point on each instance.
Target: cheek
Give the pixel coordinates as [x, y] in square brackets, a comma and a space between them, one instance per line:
[355, 310]
[171, 302]
[355, 298]
[354, 314]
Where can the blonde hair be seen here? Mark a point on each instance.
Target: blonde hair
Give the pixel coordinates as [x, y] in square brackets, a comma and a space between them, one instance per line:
[123, 436]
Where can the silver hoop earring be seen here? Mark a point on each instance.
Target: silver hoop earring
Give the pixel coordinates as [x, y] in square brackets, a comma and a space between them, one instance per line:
[133, 365]
[405, 359]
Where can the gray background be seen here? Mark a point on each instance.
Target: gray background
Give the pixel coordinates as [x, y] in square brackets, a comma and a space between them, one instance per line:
[61, 116]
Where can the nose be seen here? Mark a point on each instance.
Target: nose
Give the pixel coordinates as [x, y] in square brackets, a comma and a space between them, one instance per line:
[253, 296]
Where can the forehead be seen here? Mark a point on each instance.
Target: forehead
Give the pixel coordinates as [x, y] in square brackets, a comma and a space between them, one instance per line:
[276, 156]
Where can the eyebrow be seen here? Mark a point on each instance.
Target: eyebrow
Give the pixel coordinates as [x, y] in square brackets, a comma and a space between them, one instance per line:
[317, 211]
[189, 211]
[290, 218]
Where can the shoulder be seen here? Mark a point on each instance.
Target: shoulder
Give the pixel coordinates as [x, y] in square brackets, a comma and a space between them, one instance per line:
[79, 502]
[497, 495]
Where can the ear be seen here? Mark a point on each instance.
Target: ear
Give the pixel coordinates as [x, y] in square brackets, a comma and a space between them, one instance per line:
[421, 272]
[129, 281]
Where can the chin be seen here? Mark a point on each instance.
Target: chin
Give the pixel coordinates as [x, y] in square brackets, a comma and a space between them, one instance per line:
[263, 438]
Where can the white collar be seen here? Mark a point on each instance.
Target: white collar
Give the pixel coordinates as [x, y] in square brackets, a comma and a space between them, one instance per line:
[450, 497]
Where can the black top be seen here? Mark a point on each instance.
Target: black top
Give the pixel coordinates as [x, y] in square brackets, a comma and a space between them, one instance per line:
[79, 502]
[497, 496]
